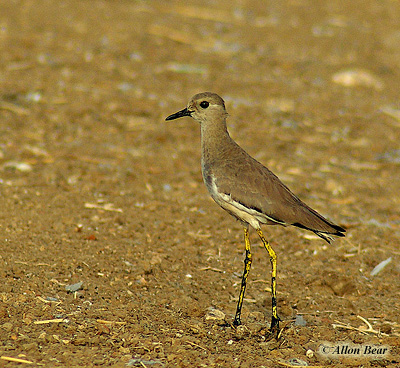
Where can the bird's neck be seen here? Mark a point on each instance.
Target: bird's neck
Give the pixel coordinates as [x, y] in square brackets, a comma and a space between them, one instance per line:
[215, 142]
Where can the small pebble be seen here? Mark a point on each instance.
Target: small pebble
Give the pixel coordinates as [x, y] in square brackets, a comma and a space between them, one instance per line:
[33, 96]
[241, 332]
[186, 68]
[357, 78]
[167, 188]
[17, 166]
[300, 321]
[214, 314]
[309, 354]
[74, 287]
[387, 329]
[298, 362]
[7, 326]
[390, 156]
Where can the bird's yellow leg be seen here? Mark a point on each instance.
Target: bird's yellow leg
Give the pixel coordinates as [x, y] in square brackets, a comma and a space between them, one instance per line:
[247, 266]
[272, 256]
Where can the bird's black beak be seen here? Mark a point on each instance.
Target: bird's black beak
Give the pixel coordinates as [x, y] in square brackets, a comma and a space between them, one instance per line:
[179, 114]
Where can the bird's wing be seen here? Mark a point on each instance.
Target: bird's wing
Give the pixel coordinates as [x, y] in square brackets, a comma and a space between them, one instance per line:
[256, 187]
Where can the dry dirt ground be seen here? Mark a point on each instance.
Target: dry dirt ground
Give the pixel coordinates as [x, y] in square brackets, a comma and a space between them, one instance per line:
[112, 252]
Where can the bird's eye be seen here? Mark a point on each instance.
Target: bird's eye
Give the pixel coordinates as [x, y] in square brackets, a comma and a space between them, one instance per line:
[204, 104]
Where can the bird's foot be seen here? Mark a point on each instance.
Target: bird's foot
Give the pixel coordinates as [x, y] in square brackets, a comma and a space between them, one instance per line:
[272, 333]
[236, 322]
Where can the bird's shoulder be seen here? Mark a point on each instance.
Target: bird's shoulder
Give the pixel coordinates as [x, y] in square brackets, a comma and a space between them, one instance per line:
[250, 182]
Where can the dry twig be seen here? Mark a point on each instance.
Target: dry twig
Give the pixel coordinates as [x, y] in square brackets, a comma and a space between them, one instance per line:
[16, 360]
[18, 110]
[195, 345]
[211, 269]
[56, 320]
[281, 362]
[370, 329]
[105, 207]
[103, 321]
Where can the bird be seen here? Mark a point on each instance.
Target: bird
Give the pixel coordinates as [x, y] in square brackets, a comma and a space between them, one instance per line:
[248, 190]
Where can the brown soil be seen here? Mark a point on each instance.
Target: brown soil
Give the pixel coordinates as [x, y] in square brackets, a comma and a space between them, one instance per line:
[97, 188]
